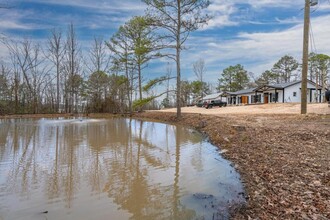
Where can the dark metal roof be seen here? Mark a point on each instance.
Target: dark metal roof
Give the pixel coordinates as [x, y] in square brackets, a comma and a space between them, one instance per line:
[284, 85]
[242, 91]
[266, 87]
[276, 86]
[245, 91]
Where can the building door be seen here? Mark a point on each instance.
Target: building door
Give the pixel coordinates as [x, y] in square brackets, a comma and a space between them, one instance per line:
[266, 98]
[245, 100]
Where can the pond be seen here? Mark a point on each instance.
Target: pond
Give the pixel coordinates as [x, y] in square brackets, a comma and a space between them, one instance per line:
[82, 168]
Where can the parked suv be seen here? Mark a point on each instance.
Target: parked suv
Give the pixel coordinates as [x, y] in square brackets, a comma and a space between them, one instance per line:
[216, 103]
[201, 103]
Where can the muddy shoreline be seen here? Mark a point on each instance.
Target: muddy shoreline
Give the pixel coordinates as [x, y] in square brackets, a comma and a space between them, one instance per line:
[283, 160]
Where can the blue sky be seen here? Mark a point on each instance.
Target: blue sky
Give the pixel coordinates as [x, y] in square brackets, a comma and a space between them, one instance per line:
[254, 33]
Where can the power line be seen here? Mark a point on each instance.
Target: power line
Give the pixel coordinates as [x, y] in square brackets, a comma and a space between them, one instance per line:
[312, 37]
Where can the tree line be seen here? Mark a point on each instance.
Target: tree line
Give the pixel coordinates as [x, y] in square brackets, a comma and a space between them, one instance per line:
[235, 78]
[55, 77]
[60, 77]
[285, 70]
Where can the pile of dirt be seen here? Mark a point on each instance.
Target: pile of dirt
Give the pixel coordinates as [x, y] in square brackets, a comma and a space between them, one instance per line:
[284, 160]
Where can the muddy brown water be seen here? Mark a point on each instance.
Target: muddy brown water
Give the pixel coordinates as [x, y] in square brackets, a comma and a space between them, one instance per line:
[119, 168]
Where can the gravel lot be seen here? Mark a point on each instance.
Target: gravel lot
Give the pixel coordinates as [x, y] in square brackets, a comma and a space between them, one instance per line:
[274, 108]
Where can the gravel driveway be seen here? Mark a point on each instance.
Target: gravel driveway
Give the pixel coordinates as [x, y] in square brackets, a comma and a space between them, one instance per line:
[273, 108]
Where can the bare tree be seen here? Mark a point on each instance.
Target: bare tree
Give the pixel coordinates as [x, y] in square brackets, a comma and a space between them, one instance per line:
[27, 57]
[4, 89]
[56, 54]
[72, 67]
[178, 18]
[98, 66]
[99, 59]
[16, 83]
[199, 70]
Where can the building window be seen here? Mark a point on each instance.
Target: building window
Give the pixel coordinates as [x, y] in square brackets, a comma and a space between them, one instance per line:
[257, 98]
[252, 99]
[294, 94]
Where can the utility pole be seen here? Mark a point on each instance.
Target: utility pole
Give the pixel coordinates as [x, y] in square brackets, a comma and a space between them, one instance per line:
[305, 58]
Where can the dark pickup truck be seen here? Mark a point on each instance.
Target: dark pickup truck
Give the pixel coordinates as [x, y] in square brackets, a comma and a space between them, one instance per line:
[216, 103]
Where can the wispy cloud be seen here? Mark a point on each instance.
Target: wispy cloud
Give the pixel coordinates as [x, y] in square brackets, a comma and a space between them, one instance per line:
[5, 24]
[32, 17]
[221, 15]
[104, 6]
[269, 3]
[323, 7]
[292, 20]
[14, 19]
[234, 12]
[257, 51]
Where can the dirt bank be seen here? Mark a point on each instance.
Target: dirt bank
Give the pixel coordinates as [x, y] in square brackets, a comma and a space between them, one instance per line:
[284, 160]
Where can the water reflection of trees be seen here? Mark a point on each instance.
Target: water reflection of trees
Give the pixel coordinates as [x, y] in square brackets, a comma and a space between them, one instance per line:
[120, 158]
[139, 195]
[23, 156]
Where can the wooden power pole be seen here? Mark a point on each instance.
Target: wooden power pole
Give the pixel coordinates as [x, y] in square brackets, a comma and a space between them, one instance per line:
[305, 59]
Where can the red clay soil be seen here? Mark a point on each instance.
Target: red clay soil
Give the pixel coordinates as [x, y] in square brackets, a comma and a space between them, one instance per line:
[284, 160]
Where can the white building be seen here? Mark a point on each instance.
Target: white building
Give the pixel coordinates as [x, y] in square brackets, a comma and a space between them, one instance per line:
[283, 92]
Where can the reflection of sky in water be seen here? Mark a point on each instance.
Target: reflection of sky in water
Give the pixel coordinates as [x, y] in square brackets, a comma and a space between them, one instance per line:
[100, 169]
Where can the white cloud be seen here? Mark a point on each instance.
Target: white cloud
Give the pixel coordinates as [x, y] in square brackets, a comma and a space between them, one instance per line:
[269, 3]
[292, 20]
[229, 13]
[7, 24]
[219, 22]
[11, 19]
[101, 15]
[221, 15]
[323, 7]
[104, 6]
[256, 51]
